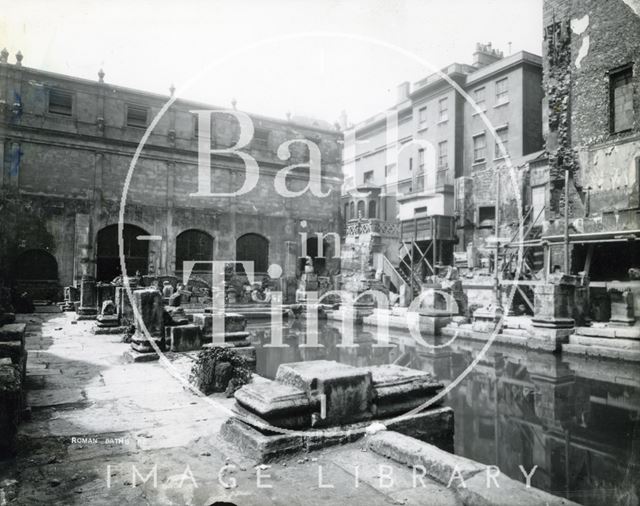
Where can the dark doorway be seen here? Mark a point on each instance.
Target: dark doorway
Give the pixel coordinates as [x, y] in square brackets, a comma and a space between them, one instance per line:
[609, 261]
[36, 272]
[319, 263]
[255, 248]
[36, 264]
[136, 252]
[191, 246]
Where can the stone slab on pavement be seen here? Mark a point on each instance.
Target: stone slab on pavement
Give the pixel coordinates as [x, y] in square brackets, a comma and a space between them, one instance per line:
[347, 390]
[132, 355]
[398, 389]
[279, 404]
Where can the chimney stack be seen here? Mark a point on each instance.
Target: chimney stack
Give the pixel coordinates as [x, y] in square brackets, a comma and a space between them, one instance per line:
[403, 91]
[485, 55]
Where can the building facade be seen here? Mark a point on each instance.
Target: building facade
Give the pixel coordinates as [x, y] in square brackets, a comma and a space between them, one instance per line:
[591, 53]
[67, 145]
[433, 158]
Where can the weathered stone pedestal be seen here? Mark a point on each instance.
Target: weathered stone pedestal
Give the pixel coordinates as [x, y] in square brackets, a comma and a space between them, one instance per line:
[71, 295]
[485, 319]
[622, 311]
[149, 305]
[107, 322]
[233, 322]
[123, 306]
[104, 292]
[553, 320]
[184, 337]
[87, 309]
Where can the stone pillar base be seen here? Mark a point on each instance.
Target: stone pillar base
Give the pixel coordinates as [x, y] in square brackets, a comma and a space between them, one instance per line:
[622, 322]
[552, 333]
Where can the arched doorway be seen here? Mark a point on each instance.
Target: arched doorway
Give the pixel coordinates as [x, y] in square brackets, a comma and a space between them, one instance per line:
[193, 245]
[360, 209]
[36, 272]
[136, 252]
[36, 264]
[255, 248]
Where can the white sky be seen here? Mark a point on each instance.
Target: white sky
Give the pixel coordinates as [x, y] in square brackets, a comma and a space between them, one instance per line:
[150, 44]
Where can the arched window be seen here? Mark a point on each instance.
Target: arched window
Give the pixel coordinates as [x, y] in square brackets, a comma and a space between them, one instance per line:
[193, 245]
[372, 209]
[255, 248]
[361, 211]
[352, 211]
[136, 252]
[346, 211]
[36, 264]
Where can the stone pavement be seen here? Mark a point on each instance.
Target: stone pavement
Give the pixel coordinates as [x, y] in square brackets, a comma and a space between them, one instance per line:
[100, 427]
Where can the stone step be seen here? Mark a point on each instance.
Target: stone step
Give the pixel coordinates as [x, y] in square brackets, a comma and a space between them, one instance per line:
[610, 332]
[620, 344]
[601, 352]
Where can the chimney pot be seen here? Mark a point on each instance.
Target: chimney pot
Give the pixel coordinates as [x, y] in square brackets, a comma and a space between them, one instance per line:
[485, 54]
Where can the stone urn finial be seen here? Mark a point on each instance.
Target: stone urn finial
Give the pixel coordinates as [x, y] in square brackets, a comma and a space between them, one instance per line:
[4, 55]
[172, 89]
[101, 75]
[19, 58]
[234, 103]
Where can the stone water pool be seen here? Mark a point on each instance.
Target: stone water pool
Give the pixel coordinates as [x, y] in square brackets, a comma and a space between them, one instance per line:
[574, 418]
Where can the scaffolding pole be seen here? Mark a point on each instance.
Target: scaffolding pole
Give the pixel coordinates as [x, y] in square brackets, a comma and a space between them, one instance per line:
[496, 271]
[566, 221]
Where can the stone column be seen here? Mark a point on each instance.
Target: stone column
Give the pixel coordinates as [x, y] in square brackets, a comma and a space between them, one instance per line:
[148, 301]
[87, 309]
[554, 304]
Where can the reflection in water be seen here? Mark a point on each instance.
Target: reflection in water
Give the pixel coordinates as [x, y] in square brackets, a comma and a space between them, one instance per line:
[576, 419]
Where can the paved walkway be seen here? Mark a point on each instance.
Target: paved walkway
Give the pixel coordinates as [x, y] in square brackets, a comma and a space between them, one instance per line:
[97, 422]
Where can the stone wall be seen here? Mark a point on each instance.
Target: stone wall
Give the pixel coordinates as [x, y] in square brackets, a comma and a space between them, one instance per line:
[591, 39]
[71, 171]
